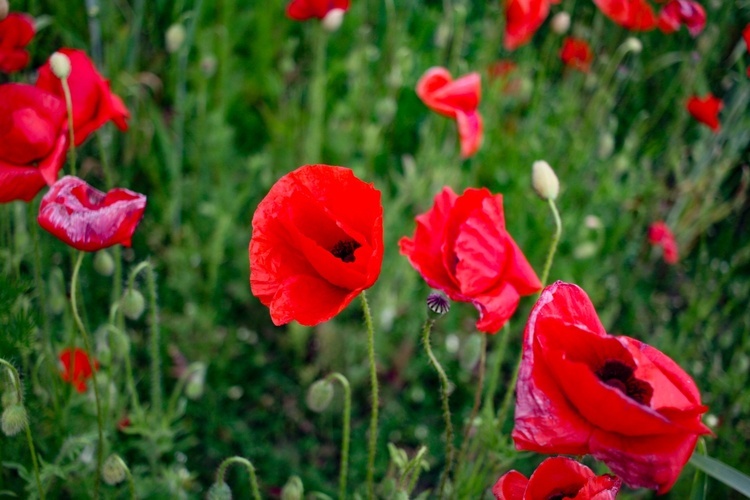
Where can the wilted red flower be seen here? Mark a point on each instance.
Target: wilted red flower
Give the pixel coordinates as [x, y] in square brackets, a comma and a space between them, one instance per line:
[678, 12]
[582, 391]
[16, 31]
[456, 99]
[660, 234]
[317, 243]
[94, 104]
[635, 15]
[461, 247]
[557, 477]
[522, 19]
[33, 140]
[302, 10]
[577, 54]
[706, 110]
[77, 367]
[87, 219]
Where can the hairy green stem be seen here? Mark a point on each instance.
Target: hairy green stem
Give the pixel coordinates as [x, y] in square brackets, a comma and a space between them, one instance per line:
[69, 107]
[250, 469]
[375, 401]
[555, 241]
[344, 468]
[317, 98]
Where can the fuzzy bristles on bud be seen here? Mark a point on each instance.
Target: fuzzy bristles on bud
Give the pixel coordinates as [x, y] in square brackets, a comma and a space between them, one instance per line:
[319, 395]
[132, 304]
[560, 23]
[544, 181]
[333, 20]
[60, 64]
[14, 419]
[4, 9]
[114, 470]
[219, 491]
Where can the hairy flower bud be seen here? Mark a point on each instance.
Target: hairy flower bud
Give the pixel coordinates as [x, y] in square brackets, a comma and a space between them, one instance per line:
[132, 304]
[319, 395]
[104, 264]
[333, 20]
[60, 64]
[632, 44]
[560, 23]
[293, 489]
[219, 491]
[13, 420]
[114, 470]
[544, 181]
[175, 37]
[10, 397]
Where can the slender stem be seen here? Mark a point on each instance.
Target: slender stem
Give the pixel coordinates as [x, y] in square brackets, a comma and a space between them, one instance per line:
[555, 241]
[414, 467]
[90, 354]
[375, 402]
[179, 386]
[317, 98]
[444, 383]
[69, 106]
[156, 393]
[477, 402]
[495, 366]
[250, 469]
[502, 413]
[131, 483]
[42, 294]
[19, 394]
[345, 438]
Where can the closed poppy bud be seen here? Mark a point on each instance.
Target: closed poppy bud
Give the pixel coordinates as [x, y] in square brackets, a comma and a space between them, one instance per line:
[196, 381]
[16, 31]
[10, 397]
[175, 37]
[293, 489]
[104, 264]
[132, 304]
[319, 395]
[114, 470]
[544, 180]
[632, 44]
[219, 491]
[14, 419]
[4, 8]
[560, 23]
[60, 64]
[332, 21]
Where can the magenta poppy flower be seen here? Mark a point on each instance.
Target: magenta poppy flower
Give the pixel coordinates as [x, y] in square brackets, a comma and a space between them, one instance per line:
[16, 31]
[87, 219]
[302, 10]
[679, 12]
[706, 110]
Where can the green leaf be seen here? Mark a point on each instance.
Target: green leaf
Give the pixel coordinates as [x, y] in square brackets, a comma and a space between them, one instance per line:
[723, 472]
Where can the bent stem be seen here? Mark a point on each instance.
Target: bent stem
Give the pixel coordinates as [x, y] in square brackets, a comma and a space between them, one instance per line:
[375, 402]
[553, 245]
[250, 469]
[90, 354]
[19, 394]
[477, 402]
[69, 107]
[446, 408]
[345, 438]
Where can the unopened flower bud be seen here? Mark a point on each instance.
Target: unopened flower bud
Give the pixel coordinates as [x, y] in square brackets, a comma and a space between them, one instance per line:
[60, 64]
[544, 181]
[14, 419]
[219, 491]
[438, 302]
[132, 304]
[119, 343]
[606, 146]
[319, 395]
[175, 37]
[4, 8]
[560, 23]
[196, 382]
[332, 21]
[10, 397]
[633, 45]
[114, 470]
[104, 264]
[293, 489]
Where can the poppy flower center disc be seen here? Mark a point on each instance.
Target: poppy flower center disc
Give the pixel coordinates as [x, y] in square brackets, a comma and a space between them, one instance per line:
[344, 250]
[620, 376]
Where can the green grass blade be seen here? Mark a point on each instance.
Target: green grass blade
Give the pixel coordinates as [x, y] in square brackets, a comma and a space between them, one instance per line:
[724, 473]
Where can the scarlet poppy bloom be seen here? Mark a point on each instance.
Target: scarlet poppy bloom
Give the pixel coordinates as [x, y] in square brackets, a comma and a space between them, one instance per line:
[461, 247]
[77, 367]
[746, 37]
[577, 54]
[706, 110]
[522, 19]
[635, 15]
[557, 477]
[87, 219]
[317, 243]
[678, 12]
[582, 391]
[33, 140]
[16, 31]
[302, 10]
[457, 99]
[660, 234]
[94, 104]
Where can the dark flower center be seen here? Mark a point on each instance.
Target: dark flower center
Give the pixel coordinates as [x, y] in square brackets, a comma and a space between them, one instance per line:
[560, 495]
[344, 250]
[620, 376]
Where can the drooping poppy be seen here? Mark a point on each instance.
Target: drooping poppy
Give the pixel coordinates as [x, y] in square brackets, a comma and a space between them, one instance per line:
[88, 219]
[317, 242]
[77, 368]
[16, 31]
[457, 99]
[635, 15]
[583, 391]
[33, 140]
[461, 247]
[94, 104]
[706, 110]
[659, 234]
[557, 477]
[576, 54]
[522, 19]
[679, 12]
[302, 10]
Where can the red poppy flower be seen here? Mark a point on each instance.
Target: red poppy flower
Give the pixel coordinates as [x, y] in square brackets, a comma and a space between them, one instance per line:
[33, 140]
[522, 19]
[94, 104]
[16, 31]
[317, 243]
[302, 10]
[706, 110]
[77, 368]
[678, 12]
[461, 247]
[746, 37]
[582, 391]
[577, 54]
[635, 15]
[557, 477]
[457, 99]
[87, 219]
[660, 234]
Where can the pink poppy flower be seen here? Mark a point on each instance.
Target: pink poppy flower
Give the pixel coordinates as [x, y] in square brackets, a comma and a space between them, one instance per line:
[679, 12]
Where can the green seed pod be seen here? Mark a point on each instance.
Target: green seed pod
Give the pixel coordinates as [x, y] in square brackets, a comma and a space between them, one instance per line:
[14, 420]
[319, 395]
[132, 304]
[104, 264]
[114, 470]
[219, 491]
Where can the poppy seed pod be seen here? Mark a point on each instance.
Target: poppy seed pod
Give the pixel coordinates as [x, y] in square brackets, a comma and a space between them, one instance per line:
[219, 491]
[319, 395]
[14, 420]
[60, 64]
[114, 470]
[132, 304]
[544, 181]
[560, 23]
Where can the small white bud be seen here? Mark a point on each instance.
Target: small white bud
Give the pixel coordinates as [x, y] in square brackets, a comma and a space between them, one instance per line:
[633, 45]
[333, 20]
[4, 9]
[175, 37]
[544, 181]
[560, 23]
[60, 64]
[114, 470]
[104, 264]
[319, 395]
[14, 420]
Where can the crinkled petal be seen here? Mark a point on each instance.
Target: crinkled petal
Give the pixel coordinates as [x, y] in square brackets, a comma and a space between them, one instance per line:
[510, 486]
